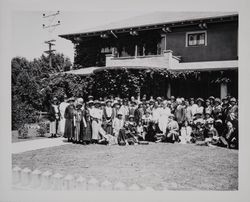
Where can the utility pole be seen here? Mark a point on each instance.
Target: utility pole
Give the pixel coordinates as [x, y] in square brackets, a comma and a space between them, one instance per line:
[50, 51]
[51, 26]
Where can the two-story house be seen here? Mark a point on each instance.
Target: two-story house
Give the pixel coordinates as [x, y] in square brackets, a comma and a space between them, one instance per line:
[206, 42]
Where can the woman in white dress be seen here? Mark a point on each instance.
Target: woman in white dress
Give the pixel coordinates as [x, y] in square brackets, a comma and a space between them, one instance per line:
[164, 113]
[96, 115]
[62, 108]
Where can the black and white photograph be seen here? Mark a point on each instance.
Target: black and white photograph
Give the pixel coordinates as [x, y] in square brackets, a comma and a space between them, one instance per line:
[132, 100]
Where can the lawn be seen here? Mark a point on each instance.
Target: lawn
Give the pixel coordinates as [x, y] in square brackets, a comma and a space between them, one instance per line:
[162, 165]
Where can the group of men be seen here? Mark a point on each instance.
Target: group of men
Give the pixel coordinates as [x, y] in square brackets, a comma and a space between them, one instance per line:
[113, 120]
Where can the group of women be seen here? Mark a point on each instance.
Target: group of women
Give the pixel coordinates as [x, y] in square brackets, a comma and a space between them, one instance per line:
[138, 121]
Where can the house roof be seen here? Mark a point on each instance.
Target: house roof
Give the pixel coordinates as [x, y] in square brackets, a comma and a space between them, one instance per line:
[155, 18]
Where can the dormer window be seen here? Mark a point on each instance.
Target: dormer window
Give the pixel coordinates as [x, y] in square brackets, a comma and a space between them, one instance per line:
[194, 39]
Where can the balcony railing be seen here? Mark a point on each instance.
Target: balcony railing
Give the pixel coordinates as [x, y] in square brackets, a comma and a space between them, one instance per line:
[165, 60]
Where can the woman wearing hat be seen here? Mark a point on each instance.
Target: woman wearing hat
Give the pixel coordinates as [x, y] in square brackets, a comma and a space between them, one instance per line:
[96, 115]
[69, 119]
[87, 134]
[200, 108]
[139, 113]
[108, 116]
[118, 124]
[194, 107]
[233, 112]
[62, 108]
[164, 113]
[172, 131]
[54, 117]
[217, 110]
[211, 134]
[130, 131]
[80, 123]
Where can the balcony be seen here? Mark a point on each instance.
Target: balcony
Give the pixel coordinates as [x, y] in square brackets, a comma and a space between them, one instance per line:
[165, 60]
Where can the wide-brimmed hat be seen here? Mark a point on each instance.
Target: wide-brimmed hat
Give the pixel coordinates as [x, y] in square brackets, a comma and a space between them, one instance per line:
[210, 121]
[108, 100]
[211, 98]
[91, 102]
[116, 103]
[171, 115]
[79, 100]
[131, 116]
[233, 99]
[172, 97]
[90, 97]
[217, 100]
[198, 121]
[151, 101]
[199, 100]
[96, 102]
[196, 114]
[55, 99]
[71, 99]
[119, 114]
[103, 103]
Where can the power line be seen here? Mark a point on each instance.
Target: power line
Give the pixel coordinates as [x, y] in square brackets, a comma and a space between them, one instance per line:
[51, 27]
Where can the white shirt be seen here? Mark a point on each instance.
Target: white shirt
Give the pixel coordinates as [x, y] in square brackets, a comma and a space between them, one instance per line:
[155, 114]
[108, 111]
[194, 108]
[96, 113]
[62, 108]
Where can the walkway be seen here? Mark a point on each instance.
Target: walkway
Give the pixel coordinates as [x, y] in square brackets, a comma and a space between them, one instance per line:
[24, 146]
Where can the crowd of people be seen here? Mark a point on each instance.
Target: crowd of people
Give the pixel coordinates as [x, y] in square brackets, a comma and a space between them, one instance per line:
[112, 120]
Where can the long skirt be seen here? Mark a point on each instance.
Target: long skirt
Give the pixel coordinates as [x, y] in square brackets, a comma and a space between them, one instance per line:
[78, 131]
[163, 123]
[52, 127]
[87, 133]
[69, 128]
[62, 125]
[108, 128]
[95, 130]
[121, 139]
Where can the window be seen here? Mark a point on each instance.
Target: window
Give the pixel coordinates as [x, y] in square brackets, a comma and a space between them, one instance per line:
[196, 38]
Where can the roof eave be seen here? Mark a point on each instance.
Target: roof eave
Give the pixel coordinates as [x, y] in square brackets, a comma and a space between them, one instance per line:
[153, 26]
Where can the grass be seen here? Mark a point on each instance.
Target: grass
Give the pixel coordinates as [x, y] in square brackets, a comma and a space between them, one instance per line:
[170, 166]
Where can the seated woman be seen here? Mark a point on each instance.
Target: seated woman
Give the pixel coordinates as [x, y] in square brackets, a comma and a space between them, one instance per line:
[140, 131]
[229, 137]
[127, 135]
[153, 129]
[185, 133]
[211, 134]
[117, 125]
[172, 132]
[198, 132]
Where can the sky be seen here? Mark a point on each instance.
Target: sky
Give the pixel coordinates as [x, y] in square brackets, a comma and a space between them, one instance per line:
[28, 35]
